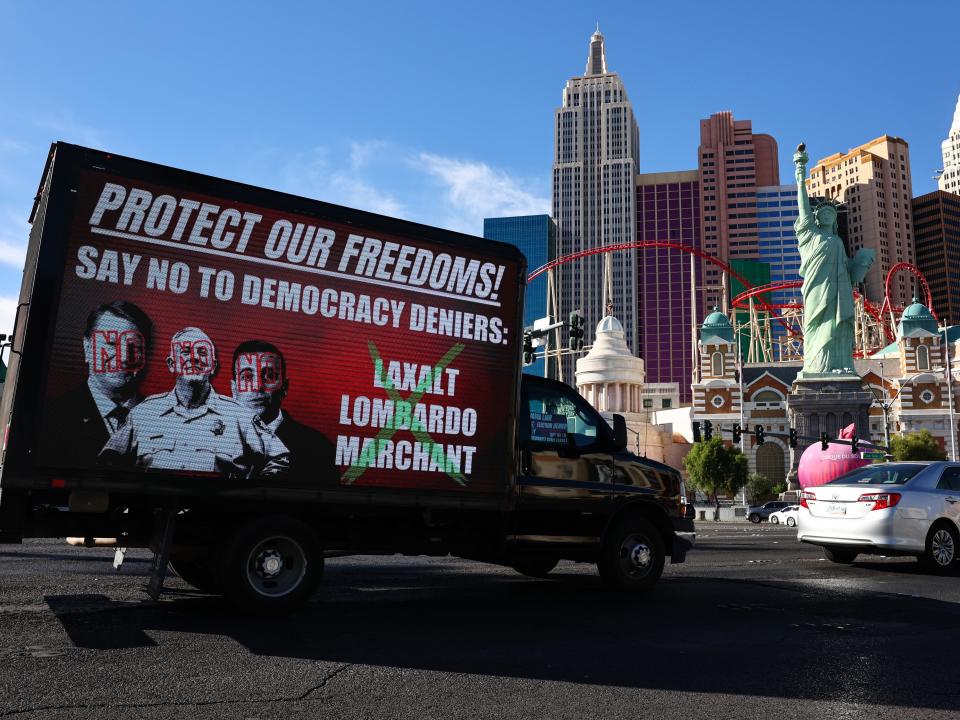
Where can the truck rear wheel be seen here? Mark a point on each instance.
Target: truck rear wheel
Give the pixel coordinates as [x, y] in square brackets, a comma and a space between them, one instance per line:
[632, 556]
[199, 574]
[271, 564]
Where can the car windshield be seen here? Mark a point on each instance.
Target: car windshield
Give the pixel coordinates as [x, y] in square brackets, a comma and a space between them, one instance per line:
[886, 474]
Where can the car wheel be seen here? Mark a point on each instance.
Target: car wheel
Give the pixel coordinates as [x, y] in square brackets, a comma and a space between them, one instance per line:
[942, 548]
[754, 518]
[838, 555]
[632, 555]
[774, 520]
[271, 564]
[791, 522]
[535, 566]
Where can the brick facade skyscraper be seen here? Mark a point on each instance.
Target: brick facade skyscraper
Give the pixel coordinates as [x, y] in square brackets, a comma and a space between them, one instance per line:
[873, 181]
[733, 162]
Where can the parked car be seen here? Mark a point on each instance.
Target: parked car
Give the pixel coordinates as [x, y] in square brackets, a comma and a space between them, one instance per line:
[899, 508]
[787, 516]
[762, 512]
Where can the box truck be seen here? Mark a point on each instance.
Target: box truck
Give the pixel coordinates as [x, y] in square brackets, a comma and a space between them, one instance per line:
[247, 381]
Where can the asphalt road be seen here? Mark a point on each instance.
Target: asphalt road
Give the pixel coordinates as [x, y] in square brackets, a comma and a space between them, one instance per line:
[753, 625]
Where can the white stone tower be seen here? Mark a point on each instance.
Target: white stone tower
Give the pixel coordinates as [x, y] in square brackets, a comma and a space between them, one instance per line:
[596, 157]
[949, 179]
[611, 377]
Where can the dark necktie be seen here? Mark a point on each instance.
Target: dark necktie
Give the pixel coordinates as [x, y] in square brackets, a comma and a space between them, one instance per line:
[117, 416]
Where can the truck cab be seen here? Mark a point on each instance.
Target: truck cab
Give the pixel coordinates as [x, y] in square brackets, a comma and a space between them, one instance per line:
[582, 495]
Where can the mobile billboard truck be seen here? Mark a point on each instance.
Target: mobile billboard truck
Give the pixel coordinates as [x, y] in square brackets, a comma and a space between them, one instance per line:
[246, 380]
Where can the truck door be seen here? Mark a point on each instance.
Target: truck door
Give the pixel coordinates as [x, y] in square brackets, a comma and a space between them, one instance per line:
[566, 474]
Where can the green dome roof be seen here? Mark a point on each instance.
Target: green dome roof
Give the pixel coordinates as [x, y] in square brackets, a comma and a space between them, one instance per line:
[716, 328]
[917, 317]
[716, 319]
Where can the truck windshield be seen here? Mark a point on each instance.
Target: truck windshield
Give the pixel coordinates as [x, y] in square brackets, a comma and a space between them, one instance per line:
[558, 419]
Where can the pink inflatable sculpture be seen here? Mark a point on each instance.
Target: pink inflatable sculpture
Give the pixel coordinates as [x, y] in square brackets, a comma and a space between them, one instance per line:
[818, 467]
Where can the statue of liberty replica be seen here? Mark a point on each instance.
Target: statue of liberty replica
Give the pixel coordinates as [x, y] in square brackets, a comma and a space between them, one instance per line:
[829, 277]
[827, 395]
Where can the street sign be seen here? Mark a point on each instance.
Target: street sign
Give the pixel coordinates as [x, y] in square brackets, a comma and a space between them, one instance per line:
[876, 455]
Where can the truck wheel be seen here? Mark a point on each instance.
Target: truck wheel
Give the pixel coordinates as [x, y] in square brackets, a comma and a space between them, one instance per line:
[535, 566]
[632, 556]
[198, 574]
[271, 564]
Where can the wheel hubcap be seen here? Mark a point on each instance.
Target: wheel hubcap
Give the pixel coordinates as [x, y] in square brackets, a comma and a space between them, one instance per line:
[636, 557]
[942, 547]
[276, 566]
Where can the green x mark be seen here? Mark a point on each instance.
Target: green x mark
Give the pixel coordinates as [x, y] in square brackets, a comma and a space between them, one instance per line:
[368, 455]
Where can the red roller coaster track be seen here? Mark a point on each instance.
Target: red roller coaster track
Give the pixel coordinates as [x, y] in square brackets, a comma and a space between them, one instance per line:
[741, 301]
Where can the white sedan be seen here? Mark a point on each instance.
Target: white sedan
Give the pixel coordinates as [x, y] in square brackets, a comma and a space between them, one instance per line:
[787, 516]
[898, 508]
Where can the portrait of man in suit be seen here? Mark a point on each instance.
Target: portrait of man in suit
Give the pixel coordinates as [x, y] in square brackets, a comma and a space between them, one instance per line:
[116, 342]
[260, 383]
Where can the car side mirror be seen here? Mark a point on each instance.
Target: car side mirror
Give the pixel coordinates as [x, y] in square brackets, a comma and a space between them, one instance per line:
[619, 433]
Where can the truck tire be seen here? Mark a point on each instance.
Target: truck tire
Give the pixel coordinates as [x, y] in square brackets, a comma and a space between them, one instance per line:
[271, 564]
[198, 574]
[535, 566]
[632, 555]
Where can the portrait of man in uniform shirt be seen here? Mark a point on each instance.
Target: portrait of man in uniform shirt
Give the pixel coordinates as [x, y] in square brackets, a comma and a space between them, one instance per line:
[260, 383]
[193, 428]
[116, 341]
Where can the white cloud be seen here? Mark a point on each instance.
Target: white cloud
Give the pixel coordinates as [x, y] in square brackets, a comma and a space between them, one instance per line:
[362, 153]
[382, 177]
[315, 174]
[8, 310]
[475, 191]
[359, 194]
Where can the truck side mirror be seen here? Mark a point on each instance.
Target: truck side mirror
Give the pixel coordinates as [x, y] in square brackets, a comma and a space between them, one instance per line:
[619, 433]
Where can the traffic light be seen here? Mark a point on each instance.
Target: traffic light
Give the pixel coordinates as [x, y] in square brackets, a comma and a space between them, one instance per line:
[793, 437]
[707, 430]
[758, 431]
[527, 349]
[854, 445]
[737, 431]
[824, 441]
[576, 331]
[696, 431]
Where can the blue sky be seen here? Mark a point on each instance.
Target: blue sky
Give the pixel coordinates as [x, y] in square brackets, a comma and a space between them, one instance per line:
[442, 112]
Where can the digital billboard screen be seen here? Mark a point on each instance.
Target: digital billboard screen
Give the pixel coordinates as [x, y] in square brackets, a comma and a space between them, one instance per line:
[202, 336]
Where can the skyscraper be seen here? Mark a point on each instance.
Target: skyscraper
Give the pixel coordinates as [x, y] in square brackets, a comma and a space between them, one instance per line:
[536, 237]
[668, 209]
[596, 155]
[776, 212]
[873, 180]
[733, 162]
[937, 219]
[949, 178]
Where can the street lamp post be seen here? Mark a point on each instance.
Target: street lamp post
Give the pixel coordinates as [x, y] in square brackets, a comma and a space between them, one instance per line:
[949, 370]
[885, 405]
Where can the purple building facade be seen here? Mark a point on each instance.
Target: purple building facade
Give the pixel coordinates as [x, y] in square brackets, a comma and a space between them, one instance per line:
[668, 209]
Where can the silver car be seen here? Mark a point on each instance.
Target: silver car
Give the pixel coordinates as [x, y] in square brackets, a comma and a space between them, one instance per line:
[898, 508]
